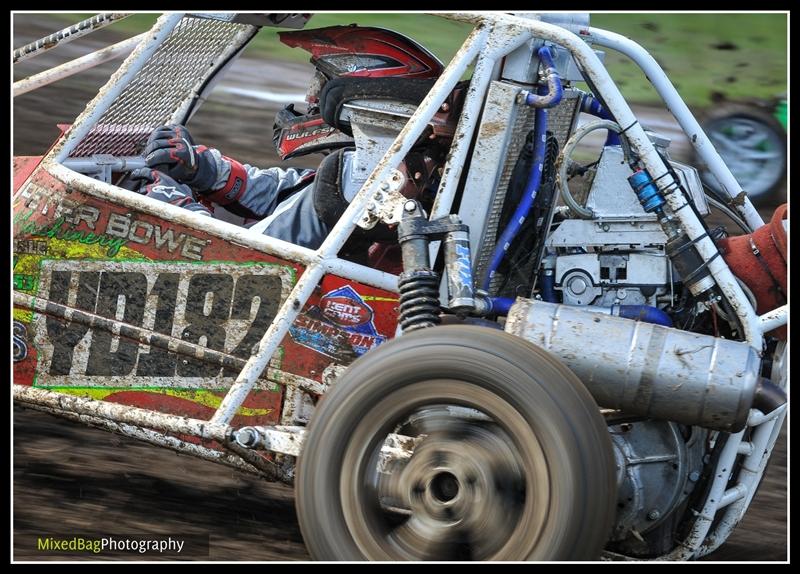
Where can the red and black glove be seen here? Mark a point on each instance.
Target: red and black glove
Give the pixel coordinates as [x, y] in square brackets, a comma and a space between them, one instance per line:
[163, 188]
[171, 150]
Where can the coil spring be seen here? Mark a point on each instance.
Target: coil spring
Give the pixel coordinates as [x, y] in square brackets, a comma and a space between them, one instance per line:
[419, 299]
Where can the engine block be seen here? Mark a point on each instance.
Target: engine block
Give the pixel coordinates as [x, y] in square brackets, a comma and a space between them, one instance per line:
[618, 257]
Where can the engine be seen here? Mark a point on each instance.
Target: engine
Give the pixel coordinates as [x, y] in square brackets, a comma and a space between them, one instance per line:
[617, 258]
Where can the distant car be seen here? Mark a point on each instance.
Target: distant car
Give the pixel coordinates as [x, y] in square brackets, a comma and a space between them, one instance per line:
[751, 138]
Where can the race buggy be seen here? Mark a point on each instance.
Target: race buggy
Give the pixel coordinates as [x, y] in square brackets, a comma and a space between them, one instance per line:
[500, 351]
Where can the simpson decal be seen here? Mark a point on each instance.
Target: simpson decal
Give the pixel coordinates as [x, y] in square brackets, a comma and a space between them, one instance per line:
[341, 326]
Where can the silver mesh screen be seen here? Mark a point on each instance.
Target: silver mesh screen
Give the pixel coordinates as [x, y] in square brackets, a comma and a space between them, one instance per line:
[561, 122]
[161, 87]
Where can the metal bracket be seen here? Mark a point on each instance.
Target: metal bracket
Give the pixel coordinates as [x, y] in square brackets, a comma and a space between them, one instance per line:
[289, 440]
[387, 204]
[105, 163]
[414, 225]
[100, 166]
[280, 439]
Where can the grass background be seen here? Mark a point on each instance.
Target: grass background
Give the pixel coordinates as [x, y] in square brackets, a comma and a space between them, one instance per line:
[738, 56]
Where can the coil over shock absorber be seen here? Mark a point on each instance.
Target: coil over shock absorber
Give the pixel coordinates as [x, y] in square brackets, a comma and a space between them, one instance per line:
[680, 249]
[419, 284]
[419, 299]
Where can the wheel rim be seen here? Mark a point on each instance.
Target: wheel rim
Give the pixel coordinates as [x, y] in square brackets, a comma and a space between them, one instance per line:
[474, 488]
[752, 151]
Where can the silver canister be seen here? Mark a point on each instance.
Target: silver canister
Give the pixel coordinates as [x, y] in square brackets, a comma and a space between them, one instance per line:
[646, 369]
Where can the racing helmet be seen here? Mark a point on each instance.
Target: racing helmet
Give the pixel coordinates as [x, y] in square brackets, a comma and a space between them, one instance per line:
[346, 52]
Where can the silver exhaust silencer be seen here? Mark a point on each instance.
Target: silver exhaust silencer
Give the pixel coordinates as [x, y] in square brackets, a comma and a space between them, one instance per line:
[646, 369]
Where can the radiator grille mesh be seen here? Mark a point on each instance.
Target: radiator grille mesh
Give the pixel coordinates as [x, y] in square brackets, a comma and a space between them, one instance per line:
[560, 122]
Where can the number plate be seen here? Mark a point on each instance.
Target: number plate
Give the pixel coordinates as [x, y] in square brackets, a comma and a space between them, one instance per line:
[223, 306]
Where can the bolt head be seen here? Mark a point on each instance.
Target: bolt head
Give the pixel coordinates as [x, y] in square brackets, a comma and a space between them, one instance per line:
[653, 515]
[247, 437]
[410, 206]
[385, 186]
[578, 285]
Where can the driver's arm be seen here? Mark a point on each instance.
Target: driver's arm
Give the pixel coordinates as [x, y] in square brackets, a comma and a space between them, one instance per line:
[257, 190]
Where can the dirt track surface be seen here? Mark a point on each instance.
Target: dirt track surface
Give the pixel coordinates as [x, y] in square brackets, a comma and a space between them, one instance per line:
[71, 480]
[75, 481]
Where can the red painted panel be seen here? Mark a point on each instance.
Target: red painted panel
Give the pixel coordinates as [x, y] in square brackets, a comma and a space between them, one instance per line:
[23, 168]
[75, 249]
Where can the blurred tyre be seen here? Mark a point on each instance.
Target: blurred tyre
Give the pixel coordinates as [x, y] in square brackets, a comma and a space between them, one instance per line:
[752, 142]
[511, 458]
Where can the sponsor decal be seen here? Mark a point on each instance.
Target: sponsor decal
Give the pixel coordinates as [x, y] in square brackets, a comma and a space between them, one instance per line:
[30, 246]
[310, 133]
[60, 229]
[346, 308]
[235, 189]
[23, 281]
[87, 225]
[341, 326]
[20, 342]
[168, 191]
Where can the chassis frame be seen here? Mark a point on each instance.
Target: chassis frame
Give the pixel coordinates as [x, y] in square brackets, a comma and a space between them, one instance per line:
[493, 37]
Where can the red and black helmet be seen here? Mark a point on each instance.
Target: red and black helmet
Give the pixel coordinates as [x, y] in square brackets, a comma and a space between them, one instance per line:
[364, 51]
[339, 52]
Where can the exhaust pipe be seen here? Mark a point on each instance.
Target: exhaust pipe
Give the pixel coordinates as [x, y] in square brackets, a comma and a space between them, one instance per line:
[650, 370]
[769, 396]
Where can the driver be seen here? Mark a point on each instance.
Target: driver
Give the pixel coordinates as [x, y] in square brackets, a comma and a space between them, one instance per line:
[302, 206]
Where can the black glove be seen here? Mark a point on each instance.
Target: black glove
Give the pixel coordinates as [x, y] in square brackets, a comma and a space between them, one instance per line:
[163, 188]
[171, 150]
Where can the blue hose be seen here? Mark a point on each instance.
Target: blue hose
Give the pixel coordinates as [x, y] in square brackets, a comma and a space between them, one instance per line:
[552, 97]
[644, 313]
[529, 196]
[501, 305]
[592, 106]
